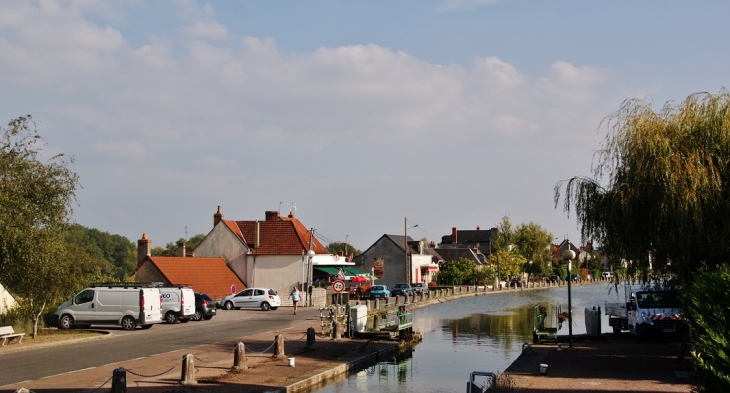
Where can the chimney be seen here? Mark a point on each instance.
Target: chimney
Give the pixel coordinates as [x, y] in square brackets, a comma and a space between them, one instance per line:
[453, 235]
[144, 245]
[478, 228]
[272, 216]
[433, 244]
[181, 249]
[257, 235]
[217, 217]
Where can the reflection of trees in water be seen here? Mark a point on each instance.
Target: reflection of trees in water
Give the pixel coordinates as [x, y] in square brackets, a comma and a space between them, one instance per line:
[399, 366]
[516, 326]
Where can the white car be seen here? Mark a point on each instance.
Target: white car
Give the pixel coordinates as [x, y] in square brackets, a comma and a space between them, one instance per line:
[607, 275]
[263, 298]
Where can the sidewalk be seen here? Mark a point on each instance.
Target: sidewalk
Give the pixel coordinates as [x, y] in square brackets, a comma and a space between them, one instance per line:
[613, 364]
[213, 366]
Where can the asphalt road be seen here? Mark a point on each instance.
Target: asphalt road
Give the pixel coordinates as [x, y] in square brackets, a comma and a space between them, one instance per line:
[123, 345]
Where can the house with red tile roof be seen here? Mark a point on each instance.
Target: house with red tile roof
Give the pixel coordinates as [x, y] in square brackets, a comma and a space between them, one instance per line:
[208, 275]
[269, 253]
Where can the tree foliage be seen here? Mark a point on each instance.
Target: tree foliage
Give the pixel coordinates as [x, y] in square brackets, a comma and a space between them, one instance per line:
[709, 298]
[35, 204]
[339, 247]
[661, 185]
[171, 248]
[115, 255]
[459, 271]
[508, 264]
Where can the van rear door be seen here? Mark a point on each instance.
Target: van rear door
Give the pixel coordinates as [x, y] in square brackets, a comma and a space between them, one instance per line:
[187, 306]
[150, 306]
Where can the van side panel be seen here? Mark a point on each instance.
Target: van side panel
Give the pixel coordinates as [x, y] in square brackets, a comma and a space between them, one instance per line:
[108, 302]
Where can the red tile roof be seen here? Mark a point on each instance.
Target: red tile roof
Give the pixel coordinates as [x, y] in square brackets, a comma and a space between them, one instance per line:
[282, 236]
[208, 275]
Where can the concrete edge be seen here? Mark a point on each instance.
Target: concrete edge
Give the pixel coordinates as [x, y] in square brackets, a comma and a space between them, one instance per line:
[354, 364]
[21, 348]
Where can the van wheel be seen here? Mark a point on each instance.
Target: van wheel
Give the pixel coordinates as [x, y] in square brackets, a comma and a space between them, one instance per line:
[149, 325]
[66, 322]
[228, 306]
[198, 315]
[265, 306]
[170, 317]
[128, 323]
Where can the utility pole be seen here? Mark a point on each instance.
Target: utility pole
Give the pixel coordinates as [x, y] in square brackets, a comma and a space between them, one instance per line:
[405, 247]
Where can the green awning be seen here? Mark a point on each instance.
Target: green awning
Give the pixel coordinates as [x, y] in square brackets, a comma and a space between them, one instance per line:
[327, 269]
[332, 270]
[353, 271]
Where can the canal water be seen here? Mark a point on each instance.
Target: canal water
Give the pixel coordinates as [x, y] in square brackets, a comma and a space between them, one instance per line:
[475, 333]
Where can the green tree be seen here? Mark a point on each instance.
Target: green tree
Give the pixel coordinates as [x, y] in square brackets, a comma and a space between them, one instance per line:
[509, 264]
[661, 186]
[116, 255]
[457, 272]
[337, 247]
[661, 190]
[709, 297]
[533, 243]
[171, 248]
[35, 204]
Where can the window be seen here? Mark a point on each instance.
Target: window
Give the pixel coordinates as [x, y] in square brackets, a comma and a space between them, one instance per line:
[84, 296]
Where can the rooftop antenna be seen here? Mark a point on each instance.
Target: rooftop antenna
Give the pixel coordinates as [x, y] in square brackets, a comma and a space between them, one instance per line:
[186, 233]
[293, 208]
[280, 202]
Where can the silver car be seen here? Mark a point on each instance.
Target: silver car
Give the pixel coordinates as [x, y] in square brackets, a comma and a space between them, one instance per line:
[263, 298]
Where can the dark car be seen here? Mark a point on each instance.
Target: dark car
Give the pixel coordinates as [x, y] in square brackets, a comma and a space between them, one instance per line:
[419, 287]
[575, 277]
[555, 278]
[204, 307]
[516, 282]
[402, 289]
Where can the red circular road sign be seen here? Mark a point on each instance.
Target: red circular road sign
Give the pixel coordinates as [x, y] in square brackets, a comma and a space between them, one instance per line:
[338, 286]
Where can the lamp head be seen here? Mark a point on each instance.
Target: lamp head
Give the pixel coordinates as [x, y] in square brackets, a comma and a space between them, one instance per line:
[310, 253]
[568, 255]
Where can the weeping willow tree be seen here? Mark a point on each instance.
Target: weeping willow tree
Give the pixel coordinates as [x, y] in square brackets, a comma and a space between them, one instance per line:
[660, 186]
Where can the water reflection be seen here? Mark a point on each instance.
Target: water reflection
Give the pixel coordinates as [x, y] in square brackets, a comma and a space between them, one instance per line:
[480, 333]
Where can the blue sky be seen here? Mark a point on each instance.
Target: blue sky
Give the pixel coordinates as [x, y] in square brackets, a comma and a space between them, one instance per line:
[451, 113]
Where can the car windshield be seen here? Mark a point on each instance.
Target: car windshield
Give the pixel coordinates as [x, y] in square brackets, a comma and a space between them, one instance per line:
[377, 288]
[659, 299]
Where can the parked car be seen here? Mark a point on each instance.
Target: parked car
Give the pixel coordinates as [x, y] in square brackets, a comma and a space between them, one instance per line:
[204, 307]
[378, 292]
[516, 282]
[555, 278]
[263, 298]
[575, 277]
[607, 275]
[419, 287]
[402, 289]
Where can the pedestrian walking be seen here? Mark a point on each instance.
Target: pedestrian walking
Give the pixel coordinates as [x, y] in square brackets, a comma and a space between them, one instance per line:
[294, 296]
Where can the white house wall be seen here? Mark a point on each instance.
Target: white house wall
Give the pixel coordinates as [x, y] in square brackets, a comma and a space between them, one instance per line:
[6, 300]
[221, 242]
[279, 272]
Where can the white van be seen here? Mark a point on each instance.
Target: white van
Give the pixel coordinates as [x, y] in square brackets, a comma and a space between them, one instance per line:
[125, 305]
[178, 304]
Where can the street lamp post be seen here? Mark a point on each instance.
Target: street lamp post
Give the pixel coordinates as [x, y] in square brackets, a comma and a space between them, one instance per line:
[405, 248]
[569, 255]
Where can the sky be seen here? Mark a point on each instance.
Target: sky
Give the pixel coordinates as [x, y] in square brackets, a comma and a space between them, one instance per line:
[366, 115]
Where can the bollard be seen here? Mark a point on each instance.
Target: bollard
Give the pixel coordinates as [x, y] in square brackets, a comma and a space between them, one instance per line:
[119, 380]
[337, 334]
[279, 347]
[311, 339]
[188, 370]
[239, 356]
[376, 321]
